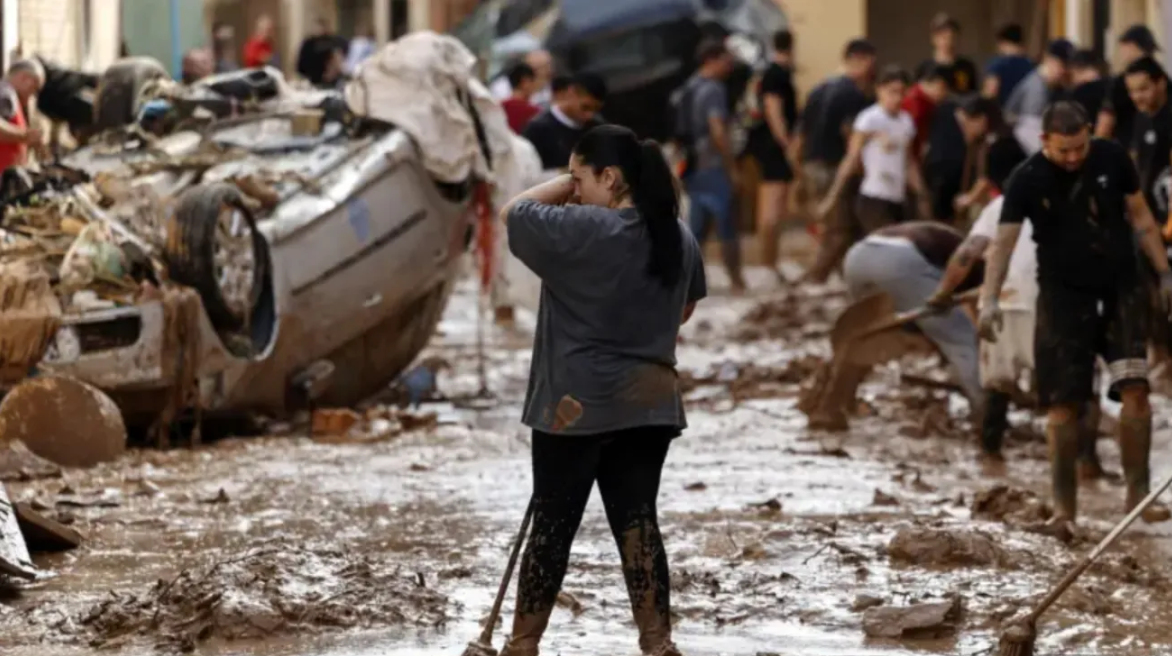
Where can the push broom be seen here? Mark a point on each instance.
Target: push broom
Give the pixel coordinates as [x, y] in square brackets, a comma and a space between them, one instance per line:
[1019, 638]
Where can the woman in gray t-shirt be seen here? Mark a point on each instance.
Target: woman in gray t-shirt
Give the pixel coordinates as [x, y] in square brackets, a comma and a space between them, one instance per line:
[620, 273]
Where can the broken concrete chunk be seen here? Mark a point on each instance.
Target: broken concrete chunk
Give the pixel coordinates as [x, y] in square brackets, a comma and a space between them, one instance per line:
[44, 534]
[946, 548]
[919, 620]
[864, 601]
[17, 463]
[882, 498]
[1010, 504]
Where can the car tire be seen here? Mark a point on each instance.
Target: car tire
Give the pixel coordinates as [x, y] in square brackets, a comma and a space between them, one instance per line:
[190, 252]
[117, 100]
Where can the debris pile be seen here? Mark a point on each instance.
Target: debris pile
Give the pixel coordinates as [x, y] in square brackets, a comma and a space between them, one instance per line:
[792, 316]
[752, 381]
[374, 424]
[280, 588]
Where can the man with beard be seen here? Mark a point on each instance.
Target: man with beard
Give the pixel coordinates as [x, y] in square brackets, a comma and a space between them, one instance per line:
[1151, 142]
[1151, 146]
[1083, 199]
[1116, 119]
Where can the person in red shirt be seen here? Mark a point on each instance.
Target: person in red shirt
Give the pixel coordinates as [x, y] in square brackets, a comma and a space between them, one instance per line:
[519, 107]
[24, 80]
[258, 50]
[921, 102]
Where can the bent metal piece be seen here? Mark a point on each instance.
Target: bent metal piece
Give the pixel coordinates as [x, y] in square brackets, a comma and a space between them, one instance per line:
[14, 558]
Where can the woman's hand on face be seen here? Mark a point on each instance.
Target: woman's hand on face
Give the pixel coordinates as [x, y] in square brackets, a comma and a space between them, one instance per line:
[565, 189]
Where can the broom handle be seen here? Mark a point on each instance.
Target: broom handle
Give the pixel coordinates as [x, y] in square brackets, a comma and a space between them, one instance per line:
[918, 313]
[486, 634]
[1073, 574]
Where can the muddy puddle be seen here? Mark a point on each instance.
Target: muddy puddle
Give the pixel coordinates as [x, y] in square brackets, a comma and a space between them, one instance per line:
[889, 539]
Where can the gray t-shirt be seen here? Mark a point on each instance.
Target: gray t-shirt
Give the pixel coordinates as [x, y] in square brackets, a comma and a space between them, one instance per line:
[1029, 97]
[606, 331]
[705, 98]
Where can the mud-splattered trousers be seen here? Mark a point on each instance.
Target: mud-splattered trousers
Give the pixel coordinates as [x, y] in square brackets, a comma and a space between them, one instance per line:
[627, 465]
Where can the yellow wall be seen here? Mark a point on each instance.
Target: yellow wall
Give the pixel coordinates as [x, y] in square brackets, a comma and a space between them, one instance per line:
[821, 28]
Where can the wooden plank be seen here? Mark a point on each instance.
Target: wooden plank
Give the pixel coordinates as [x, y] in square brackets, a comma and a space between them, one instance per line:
[44, 534]
[14, 558]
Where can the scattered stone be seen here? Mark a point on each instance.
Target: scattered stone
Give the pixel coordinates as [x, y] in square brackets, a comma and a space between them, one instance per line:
[147, 489]
[456, 573]
[864, 601]
[916, 621]
[883, 499]
[946, 548]
[698, 486]
[107, 498]
[334, 421]
[44, 534]
[770, 506]
[221, 497]
[1010, 505]
[754, 551]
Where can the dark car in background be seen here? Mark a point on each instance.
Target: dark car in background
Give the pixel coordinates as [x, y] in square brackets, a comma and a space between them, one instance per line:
[643, 49]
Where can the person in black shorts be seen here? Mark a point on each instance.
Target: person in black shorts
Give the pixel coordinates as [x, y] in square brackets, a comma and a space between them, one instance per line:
[769, 141]
[1083, 198]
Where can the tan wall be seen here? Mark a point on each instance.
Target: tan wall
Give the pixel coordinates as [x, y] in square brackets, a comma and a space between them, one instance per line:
[51, 28]
[821, 28]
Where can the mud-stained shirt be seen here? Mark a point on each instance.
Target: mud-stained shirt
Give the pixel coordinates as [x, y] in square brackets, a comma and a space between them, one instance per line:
[604, 352]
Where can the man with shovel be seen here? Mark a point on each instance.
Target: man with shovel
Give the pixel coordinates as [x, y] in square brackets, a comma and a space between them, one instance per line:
[896, 269]
[1084, 201]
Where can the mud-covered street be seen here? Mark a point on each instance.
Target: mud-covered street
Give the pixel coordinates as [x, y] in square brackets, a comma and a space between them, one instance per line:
[781, 540]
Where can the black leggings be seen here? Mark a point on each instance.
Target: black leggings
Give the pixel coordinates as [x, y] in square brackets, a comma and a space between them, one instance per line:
[627, 465]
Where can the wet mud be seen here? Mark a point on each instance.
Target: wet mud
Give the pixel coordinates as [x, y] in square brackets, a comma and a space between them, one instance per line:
[890, 538]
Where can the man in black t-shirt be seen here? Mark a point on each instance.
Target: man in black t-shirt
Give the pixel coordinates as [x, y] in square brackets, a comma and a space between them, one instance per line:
[1151, 141]
[1116, 118]
[1083, 199]
[826, 127]
[555, 131]
[961, 71]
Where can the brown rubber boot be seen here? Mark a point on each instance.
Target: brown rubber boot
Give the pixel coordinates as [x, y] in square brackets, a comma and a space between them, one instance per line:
[666, 649]
[1135, 446]
[1062, 438]
[1090, 468]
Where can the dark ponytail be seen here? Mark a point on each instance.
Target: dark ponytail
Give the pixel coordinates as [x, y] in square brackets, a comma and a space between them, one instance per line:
[653, 192]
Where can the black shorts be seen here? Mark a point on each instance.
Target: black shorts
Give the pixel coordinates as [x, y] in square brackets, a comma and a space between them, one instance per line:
[875, 213]
[1074, 326]
[943, 188]
[774, 164]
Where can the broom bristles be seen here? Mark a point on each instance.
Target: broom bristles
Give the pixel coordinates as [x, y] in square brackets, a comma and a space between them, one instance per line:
[1017, 640]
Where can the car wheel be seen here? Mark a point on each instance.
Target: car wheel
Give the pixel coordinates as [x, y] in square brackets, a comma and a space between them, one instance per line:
[214, 246]
[119, 95]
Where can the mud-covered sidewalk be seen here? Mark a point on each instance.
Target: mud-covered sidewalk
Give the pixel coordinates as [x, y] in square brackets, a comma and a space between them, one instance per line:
[781, 540]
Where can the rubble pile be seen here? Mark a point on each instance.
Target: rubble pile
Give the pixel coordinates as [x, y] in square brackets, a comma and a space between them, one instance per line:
[278, 588]
[792, 316]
